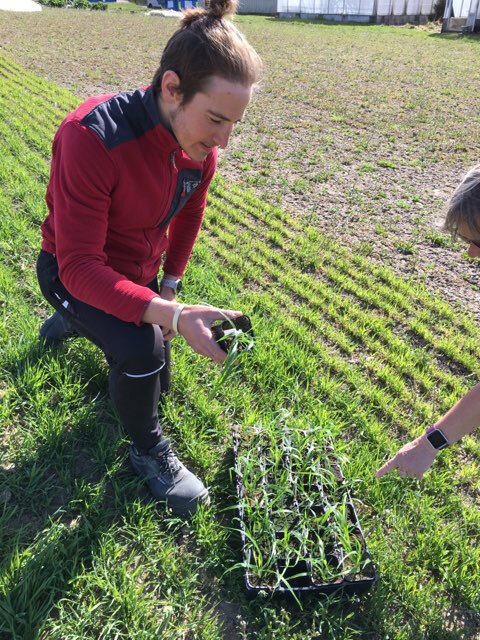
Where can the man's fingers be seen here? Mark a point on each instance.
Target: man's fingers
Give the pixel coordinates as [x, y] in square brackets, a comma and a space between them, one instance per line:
[210, 349]
[221, 314]
[195, 323]
[215, 352]
[168, 334]
[217, 356]
[388, 466]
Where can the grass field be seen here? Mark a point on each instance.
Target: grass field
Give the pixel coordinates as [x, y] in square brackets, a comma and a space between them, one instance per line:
[342, 341]
[362, 131]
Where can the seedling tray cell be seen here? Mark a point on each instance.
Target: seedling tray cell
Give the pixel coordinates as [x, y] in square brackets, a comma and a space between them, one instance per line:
[299, 528]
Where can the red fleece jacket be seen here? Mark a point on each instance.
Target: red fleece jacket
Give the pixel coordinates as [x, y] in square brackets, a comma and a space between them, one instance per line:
[116, 174]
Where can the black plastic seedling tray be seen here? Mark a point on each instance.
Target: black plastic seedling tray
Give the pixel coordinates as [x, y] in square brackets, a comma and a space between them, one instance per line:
[299, 576]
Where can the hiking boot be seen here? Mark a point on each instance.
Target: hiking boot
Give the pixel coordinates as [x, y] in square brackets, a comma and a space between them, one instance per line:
[56, 329]
[168, 479]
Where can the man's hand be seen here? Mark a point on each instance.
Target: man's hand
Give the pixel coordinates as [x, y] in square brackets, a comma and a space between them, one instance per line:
[412, 460]
[194, 324]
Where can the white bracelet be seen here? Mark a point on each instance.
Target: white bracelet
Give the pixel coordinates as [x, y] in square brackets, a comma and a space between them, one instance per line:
[176, 316]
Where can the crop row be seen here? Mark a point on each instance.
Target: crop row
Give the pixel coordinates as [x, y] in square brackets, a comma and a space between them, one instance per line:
[327, 380]
[393, 300]
[52, 96]
[305, 326]
[353, 307]
[349, 324]
[312, 250]
[34, 97]
[300, 373]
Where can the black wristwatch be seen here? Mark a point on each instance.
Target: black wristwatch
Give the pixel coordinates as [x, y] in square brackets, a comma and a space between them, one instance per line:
[172, 283]
[437, 438]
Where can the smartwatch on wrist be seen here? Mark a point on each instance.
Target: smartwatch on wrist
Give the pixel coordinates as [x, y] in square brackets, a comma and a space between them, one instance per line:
[437, 438]
[172, 283]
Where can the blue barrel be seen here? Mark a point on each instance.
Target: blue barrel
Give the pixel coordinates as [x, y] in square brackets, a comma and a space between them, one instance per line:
[178, 5]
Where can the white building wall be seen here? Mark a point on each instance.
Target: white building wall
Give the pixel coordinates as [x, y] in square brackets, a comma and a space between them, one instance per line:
[258, 6]
[327, 7]
[332, 8]
[357, 7]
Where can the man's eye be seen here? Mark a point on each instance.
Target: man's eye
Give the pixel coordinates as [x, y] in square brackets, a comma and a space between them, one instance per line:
[215, 121]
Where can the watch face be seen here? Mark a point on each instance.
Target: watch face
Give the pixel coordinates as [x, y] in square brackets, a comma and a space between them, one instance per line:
[437, 439]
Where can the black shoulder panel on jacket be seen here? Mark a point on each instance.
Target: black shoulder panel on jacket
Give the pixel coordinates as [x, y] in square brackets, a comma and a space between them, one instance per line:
[123, 117]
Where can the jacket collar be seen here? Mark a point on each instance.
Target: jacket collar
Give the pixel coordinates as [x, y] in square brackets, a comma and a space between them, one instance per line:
[165, 138]
[163, 135]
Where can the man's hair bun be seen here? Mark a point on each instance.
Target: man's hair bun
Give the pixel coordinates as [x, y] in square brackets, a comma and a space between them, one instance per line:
[214, 9]
[220, 8]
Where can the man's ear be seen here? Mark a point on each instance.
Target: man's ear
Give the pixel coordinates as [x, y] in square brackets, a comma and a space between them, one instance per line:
[170, 86]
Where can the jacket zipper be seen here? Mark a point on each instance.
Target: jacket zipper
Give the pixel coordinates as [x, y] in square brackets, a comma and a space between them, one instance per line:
[171, 191]
[172, 185]
[174, 165]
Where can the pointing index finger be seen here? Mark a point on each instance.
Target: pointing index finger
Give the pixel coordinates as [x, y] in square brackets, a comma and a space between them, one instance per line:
[388, 466]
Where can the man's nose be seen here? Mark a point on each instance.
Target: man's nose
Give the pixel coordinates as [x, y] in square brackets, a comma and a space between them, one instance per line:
[223, 136]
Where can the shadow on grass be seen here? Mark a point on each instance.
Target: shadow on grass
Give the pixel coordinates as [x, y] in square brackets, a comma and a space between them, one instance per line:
[322, 22]
[464, 37]
[60, 497]
[339, 23]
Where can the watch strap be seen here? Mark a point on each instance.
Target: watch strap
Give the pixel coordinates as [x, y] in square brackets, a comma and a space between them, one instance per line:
[173, 283]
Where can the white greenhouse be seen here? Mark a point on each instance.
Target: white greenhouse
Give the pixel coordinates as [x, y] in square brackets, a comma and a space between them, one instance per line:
[460, 15]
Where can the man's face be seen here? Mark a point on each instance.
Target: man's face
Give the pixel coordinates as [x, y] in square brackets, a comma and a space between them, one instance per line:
[208, 119]
[472, 238]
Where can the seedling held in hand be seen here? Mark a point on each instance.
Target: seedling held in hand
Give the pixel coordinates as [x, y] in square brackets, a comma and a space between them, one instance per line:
[235, 336]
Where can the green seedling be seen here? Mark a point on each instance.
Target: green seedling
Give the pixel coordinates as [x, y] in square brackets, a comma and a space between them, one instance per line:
[236, 341]
[293, 487]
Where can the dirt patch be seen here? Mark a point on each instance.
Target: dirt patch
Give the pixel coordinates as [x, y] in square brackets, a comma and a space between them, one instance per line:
[85, 469]
[228, 614]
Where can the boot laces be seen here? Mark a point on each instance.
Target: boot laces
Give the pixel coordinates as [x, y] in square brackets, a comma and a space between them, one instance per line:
[168, 462]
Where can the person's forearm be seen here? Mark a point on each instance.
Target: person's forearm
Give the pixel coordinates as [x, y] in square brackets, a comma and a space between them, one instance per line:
[415, 457]
[161, 312]
[463, 417]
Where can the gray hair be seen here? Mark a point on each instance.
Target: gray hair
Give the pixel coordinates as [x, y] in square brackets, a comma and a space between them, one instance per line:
[464, 204]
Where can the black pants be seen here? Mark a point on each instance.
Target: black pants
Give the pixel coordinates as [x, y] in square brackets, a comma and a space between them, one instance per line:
[138, 357]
